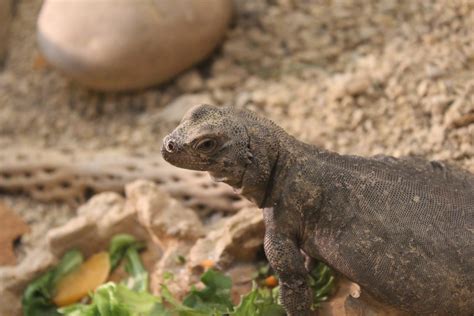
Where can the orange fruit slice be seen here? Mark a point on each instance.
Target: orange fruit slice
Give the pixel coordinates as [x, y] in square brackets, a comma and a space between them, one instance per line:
[77, 284]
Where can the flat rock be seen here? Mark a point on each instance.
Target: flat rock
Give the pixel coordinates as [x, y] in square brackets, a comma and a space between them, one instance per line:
[165, 218]
[102, 217]
[129, 44]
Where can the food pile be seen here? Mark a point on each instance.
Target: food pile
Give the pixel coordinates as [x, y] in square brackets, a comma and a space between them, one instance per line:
[76, 287]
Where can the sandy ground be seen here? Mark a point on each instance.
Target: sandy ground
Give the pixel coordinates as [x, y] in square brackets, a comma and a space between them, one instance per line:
[355, 76]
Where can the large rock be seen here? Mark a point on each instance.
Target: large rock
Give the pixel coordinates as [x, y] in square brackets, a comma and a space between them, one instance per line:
[230, 245]
[102, 217]
[5, 18]
[129, 44]
[238, 238]
[165, 218]
[171, 225]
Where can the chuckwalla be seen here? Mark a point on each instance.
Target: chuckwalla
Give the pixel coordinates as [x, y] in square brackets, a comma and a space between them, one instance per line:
[403, 229]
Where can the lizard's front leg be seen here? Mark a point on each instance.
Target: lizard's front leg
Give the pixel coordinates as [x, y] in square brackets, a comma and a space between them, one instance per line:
[288, 262]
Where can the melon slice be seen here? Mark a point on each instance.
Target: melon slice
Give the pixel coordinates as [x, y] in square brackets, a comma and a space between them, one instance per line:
[90, 275]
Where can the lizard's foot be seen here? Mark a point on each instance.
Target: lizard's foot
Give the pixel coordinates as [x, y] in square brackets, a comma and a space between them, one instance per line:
[354, 289]
[336, 306]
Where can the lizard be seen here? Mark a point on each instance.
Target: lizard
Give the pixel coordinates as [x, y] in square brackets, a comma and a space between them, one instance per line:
[400, 228]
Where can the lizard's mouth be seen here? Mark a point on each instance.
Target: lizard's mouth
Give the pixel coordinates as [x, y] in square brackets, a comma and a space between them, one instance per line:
[187, 164]
[182, 161]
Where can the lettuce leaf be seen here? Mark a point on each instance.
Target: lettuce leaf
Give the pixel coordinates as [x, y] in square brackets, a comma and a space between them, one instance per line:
[38, 297]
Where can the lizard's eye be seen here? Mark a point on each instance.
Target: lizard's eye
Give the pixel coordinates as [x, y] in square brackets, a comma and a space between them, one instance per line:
[206, 145]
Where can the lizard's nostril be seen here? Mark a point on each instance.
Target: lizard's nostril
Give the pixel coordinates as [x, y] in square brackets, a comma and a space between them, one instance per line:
[170, 146]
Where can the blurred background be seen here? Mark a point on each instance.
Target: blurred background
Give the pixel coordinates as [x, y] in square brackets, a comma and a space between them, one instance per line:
[89, 88]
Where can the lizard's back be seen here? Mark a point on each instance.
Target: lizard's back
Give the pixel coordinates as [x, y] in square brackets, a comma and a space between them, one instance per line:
[405, 225]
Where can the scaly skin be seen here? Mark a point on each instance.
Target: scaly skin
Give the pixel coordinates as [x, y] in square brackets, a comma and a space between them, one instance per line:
[400, 228]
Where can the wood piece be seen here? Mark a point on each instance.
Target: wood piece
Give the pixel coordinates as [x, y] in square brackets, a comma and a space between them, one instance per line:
[74, 177]
[13, 227]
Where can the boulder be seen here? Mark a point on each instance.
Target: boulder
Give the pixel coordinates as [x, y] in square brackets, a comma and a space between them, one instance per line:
[129, 44]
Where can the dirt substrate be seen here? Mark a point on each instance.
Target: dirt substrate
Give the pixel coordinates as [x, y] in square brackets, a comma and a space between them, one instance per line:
[361, 77]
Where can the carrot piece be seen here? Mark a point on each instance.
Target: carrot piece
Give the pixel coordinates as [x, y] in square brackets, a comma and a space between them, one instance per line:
[208, 263]
[271, 281]
[90, 275]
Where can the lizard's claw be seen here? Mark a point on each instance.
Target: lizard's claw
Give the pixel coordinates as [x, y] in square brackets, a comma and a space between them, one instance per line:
[354, 290]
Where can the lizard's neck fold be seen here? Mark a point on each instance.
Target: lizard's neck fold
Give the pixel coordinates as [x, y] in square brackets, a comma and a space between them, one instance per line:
[270, 147]
[269, 186]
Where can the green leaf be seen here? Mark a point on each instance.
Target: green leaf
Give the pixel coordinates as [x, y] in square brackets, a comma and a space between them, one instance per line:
[79, 310]
[118, 248]
[259, 302]
[69, 262]
[214, 298]
[247, 304]
[160, 310]
[180, 259]
[322, 283]
[137, 302]
[326, 289]
[124, 246]
[138, 279]
[168, 297]
[177, 308]
[112, 299]
[168, 276]
[216, 280]
[37, 298]
[105, 298]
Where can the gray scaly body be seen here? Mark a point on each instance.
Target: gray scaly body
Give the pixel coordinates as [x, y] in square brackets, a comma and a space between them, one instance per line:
[403, 229]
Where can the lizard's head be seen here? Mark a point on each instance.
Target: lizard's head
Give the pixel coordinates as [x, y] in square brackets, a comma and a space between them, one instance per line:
[211, 139]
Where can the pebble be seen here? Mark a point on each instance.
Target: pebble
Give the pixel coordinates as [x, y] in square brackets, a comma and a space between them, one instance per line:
[190, 81]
